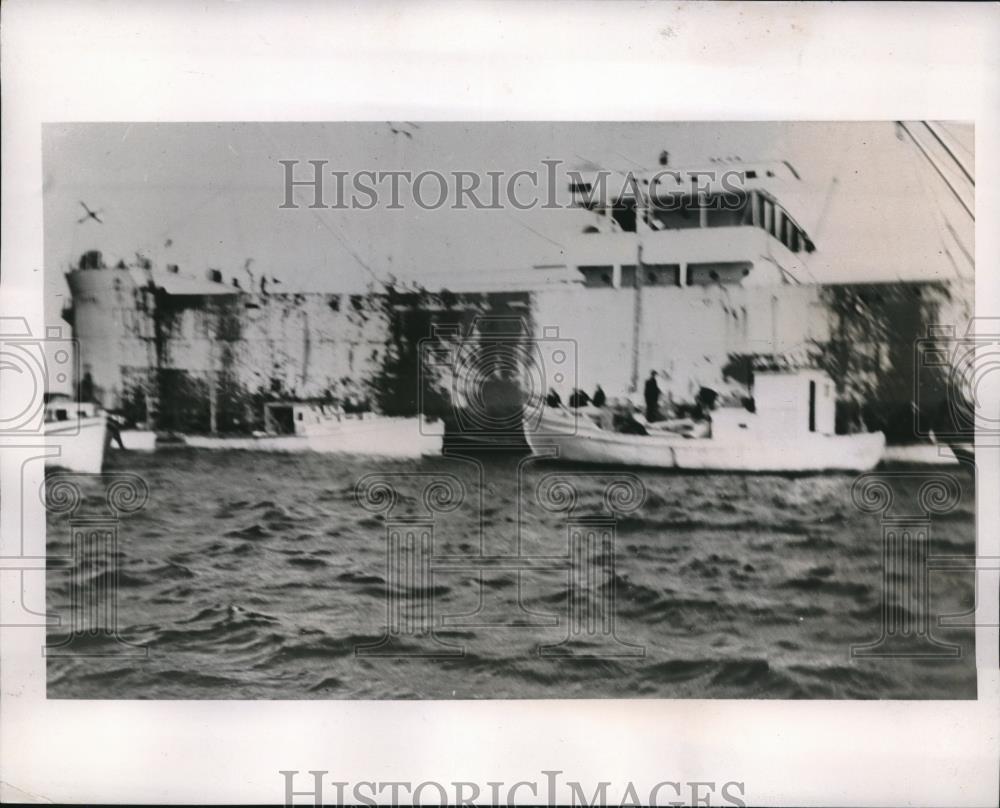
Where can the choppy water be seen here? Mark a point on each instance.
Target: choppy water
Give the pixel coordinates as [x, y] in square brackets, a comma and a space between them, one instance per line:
[257, 576]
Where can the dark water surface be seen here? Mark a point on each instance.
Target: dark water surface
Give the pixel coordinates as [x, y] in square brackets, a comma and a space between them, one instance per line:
[257, 576]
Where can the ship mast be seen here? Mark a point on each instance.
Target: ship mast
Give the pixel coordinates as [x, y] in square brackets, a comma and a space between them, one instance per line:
[637, 316]
[640, 224]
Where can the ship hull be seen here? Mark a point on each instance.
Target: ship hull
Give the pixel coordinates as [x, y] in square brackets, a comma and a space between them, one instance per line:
[376, 437]
[81, 444]
[576, 440]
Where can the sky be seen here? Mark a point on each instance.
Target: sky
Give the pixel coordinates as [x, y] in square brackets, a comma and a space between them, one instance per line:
[209, 195]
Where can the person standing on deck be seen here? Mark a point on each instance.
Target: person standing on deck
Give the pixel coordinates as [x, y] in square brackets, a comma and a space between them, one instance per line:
[652, 396]
[114, 427]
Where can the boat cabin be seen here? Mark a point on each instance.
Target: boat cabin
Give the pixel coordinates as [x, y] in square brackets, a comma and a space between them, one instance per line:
[290, 417]
[63, 408]
[786, 402]
[304, 417]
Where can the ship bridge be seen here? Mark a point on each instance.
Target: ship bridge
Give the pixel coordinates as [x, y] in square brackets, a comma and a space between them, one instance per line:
[726, 222]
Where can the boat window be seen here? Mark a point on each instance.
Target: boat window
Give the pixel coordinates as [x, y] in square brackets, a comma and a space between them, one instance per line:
[676, 213]
[628, 276]
[278, 419]
[721, 272]
[661, 274]
[62, 415]
[597, 276]
[726, 210]
[624, 215]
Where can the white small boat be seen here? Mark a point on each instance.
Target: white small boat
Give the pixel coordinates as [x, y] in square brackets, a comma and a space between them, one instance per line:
[791, 431]
[921, 454]
[935, 453]
[318, 430]
[964, 452]
[80, 432]
[136, 440]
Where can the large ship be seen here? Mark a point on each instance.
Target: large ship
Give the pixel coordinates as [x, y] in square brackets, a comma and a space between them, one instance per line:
[679, 241]
[706, 275]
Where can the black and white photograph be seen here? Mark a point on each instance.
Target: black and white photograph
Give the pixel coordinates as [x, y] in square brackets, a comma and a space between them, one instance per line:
[417, 410]
[434, 403]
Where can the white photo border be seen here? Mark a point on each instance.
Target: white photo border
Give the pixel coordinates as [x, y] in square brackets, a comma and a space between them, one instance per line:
[312, 61]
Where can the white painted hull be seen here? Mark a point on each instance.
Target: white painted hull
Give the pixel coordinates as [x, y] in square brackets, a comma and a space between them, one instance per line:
[137, 440]
[81, 444]
[921, 454]
[800, 453]
[376, 437]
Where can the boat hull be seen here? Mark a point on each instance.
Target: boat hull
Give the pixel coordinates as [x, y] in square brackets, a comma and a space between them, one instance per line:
[578, 441]
[921, 454]
[81, 444]
[376, 437]
[137, 440]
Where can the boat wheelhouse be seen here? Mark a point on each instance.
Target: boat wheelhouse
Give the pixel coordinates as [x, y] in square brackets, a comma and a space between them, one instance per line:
[79, 431]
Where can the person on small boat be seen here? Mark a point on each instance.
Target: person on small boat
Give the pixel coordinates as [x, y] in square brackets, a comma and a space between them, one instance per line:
[624, 422]
[652, 395]
[115, 424]
[578, 398]
[599, 399]
[553, 399]
[705, 402]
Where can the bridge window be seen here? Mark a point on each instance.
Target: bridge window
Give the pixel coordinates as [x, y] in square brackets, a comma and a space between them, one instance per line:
[597, 277]
[661, 274]
[720, 272]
